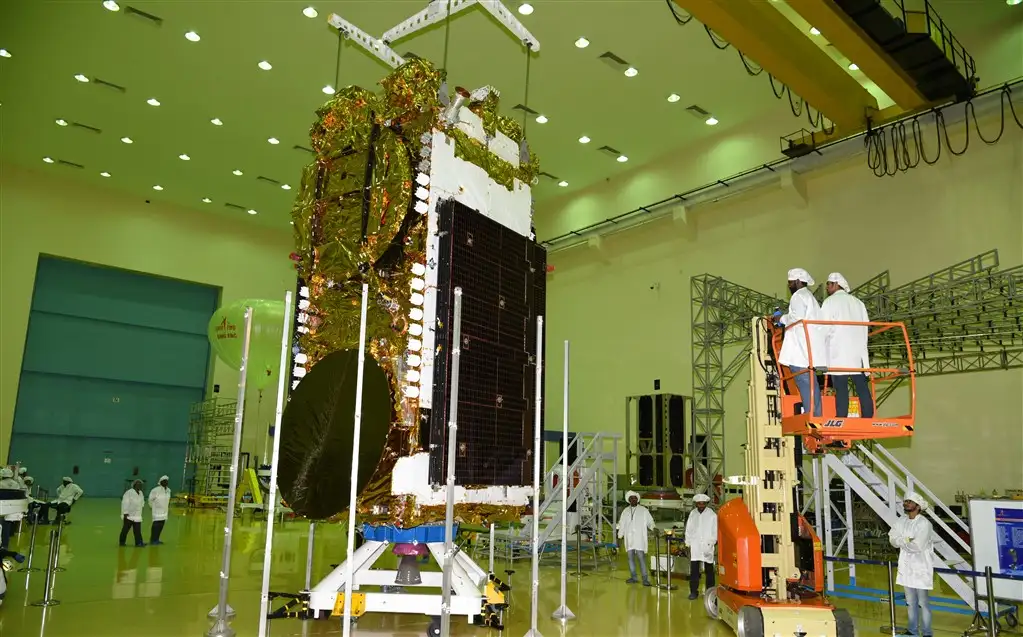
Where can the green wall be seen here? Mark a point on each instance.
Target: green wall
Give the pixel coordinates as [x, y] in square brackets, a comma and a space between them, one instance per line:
[41, 213]
[626, 308]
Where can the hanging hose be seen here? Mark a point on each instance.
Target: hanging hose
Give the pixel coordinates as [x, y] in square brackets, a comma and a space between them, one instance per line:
[337, 66]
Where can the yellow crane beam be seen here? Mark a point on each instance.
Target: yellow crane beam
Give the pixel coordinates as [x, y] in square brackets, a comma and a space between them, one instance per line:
[846, 36]
[772, 41]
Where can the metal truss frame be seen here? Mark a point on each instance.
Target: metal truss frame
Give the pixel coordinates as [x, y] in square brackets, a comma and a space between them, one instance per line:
[966, 317]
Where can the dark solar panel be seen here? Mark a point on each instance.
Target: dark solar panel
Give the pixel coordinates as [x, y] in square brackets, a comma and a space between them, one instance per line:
[503, 276]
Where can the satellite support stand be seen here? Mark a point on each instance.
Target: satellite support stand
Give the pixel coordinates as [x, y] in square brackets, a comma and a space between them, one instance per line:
[449, 508]
[535, 535]
[563, 613]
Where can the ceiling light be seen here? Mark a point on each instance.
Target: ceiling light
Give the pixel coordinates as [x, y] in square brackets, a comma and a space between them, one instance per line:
[853, 67]
[584, 140]
[562, 183]
[631, 72]
[266, 66]
[158, 187]
[274, 141]
[110, 5]
[207, 200]
[61, 122]
[1013, 3]
[47, 160]
[622, 159]
[127, 140]
[216, 121]
[711, 121]
[285, 187]
[582, 43]
[81, 78]
[525, 8]
[309, 12]
[152, 101]
[104, 174]
[4, 53]
[328, 89]
[541, 119]
[192, 36]
[674, 97]
[814, 31]
[237, 172]
[183, 157]
[251, 211]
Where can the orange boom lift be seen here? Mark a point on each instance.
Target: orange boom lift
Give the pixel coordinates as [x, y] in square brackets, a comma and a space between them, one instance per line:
[770, 561]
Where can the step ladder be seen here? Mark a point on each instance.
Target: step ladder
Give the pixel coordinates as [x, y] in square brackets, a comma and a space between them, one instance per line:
[881, 482]
[596, 464]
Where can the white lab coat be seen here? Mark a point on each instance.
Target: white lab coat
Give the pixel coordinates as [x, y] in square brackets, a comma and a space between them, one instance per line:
[915, 541]
[846, 344]
[633, 527]
[159, 502]
[794, 353]
[702, 535]
[12, 484]
[132, 504]
[68, 494]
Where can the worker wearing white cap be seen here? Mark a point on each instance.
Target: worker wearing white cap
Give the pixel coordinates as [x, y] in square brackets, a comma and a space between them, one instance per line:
[913, 535]
[632, 528]
[67, 494]
[132, 504]
[847, 355]
[796, 353]
[701, 536]
[8, 483]
[159, 502]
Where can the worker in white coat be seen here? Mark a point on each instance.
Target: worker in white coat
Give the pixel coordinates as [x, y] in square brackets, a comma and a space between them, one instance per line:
[633, 526]
[67, 494]
[132, 503]
[702, 538]
[159, 502]
[8, 483]
[913, 535]
[846, 346]
[796, 353]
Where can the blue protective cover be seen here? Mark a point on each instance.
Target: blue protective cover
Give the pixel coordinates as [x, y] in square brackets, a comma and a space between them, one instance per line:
[416, 535]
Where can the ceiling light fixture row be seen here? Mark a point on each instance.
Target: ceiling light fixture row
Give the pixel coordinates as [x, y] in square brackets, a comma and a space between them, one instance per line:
[4, 53]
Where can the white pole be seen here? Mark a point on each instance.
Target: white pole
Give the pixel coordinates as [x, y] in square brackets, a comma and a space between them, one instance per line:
[563, 613]
[449, 509]
[533, 631]
[350, 576]
[491, 571]
[220, 626]
[282, 379]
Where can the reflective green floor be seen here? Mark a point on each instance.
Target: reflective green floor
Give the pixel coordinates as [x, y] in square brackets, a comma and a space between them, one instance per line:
[166, 591]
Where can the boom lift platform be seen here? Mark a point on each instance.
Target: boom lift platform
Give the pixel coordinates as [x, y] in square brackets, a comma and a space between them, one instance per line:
[770, 560]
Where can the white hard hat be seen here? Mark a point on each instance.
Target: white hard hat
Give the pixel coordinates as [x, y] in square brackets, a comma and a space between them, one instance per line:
[799, 274]
[162, 478]
[913, 496]
[629, 494]
[701, 497]
[6, 473]
[28, 479]
[22, 471]
[67, 479]
[836, 277]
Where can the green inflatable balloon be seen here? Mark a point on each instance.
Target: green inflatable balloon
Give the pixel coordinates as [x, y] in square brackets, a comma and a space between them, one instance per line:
[226, 332]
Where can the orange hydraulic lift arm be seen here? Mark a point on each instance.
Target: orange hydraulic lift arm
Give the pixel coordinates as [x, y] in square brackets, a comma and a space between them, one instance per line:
[772, 41]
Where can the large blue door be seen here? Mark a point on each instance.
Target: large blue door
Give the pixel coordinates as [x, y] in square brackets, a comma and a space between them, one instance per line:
[113, 360]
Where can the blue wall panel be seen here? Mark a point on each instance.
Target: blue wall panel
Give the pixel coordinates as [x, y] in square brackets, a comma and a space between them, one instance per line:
[113, 360]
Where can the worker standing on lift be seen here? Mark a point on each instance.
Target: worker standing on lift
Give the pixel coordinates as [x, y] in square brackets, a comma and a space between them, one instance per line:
[795, 351]
[847, 346]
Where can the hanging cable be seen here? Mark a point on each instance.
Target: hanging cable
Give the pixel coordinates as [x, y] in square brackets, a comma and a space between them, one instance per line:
[447, 36]
[337, 66]
[900, 146]
[525, 98]
[680, 20]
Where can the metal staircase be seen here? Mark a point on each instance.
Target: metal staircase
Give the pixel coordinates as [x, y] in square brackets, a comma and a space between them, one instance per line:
[881, 481]
[596, 464]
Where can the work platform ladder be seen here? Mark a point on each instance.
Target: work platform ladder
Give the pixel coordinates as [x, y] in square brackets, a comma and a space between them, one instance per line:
[881, 482]
[596, 465]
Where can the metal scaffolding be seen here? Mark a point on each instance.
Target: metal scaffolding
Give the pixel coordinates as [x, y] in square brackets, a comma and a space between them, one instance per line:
[208, 456]
[962, 318]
